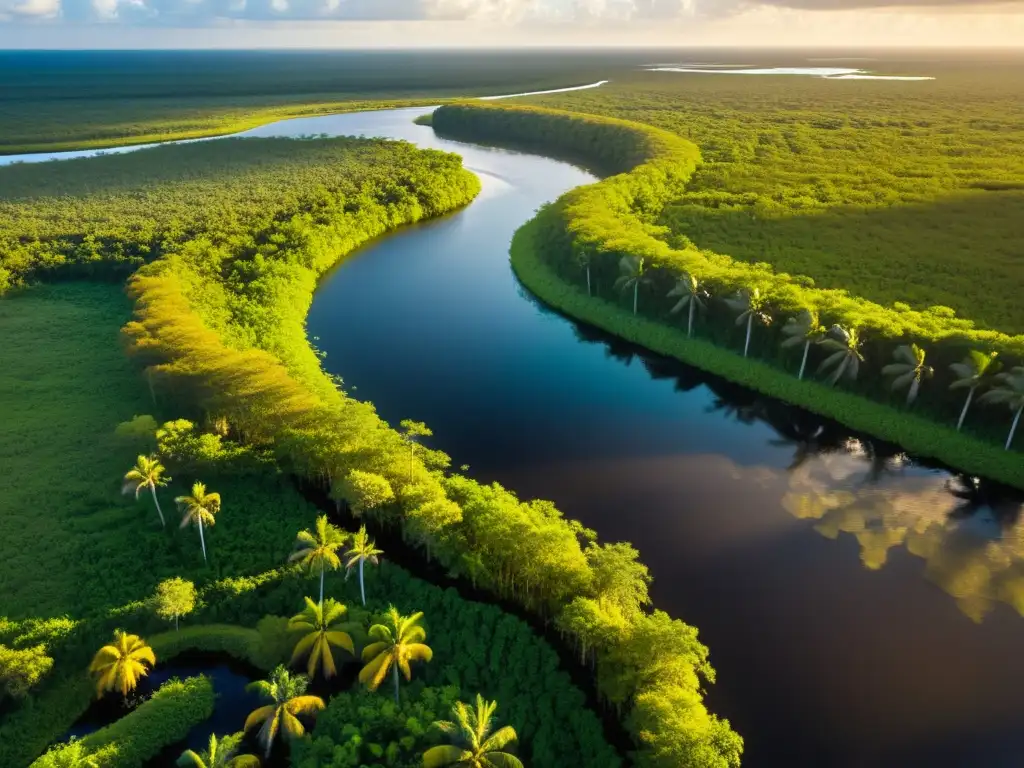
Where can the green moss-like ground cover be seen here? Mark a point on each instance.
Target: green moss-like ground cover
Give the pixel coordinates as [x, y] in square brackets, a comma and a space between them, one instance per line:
[64, 386]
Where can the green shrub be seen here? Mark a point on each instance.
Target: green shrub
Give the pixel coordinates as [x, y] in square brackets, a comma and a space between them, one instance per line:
[359, 728]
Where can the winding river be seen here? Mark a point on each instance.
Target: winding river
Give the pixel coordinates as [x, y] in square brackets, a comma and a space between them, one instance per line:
[859, 607]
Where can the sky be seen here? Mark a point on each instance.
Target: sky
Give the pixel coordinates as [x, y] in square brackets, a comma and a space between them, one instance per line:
[507, 23]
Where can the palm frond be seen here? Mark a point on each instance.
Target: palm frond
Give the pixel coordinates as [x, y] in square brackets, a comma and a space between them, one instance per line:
[445, 755]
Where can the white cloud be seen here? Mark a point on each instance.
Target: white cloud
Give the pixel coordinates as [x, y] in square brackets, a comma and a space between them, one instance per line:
[370, 23]
[29, 9]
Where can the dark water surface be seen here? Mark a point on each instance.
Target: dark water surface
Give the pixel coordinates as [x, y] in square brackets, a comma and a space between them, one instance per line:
[838, 594]
[232, 704]
[860, 608]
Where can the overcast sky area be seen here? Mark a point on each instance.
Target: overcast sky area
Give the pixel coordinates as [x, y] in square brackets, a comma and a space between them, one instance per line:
[506, 23]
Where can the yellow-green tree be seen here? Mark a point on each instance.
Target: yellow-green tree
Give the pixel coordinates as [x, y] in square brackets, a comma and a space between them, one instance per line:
[473, 744]
[199, 509]
[148, 472]
[321, 626]
[221, 753]
[361, 551]
[411, 430]
[21, 669]
[317, 550]
[397, 642]
[174, 598]
[288, 698]
[120, 665]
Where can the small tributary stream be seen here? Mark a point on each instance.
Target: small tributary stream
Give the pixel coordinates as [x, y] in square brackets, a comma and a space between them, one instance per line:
[857, 605]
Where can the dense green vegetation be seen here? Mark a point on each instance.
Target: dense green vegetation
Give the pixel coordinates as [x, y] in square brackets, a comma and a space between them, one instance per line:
[606, 239]
[283, 403]
[218, 326]
[892, 191]
[134, 97]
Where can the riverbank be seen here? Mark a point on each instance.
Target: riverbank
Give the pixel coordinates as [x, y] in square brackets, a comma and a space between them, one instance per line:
[915, 434]
[596, 230]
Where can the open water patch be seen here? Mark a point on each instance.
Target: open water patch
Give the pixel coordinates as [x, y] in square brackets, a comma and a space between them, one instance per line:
[828, 73]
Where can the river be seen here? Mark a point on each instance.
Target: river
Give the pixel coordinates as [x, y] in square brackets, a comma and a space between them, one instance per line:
[857, 605]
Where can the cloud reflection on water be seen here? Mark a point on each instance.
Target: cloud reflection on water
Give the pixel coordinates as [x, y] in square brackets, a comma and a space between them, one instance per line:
[972, 545]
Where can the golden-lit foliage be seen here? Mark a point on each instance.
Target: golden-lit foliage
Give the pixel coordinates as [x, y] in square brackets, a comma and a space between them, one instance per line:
[322, 630]
[289, 700]
[120, 665]
[174, 598]
[476, 742]
[397, 642]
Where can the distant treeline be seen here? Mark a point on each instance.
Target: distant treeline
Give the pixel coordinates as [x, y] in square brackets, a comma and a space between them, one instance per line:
[605, 238]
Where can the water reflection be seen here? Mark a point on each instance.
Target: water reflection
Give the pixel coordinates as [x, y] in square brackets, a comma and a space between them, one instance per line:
[968, 531]
[969, 534]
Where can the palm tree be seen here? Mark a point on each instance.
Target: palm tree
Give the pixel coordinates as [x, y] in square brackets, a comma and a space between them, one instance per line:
[200, 508]
[361, 551]
[691, 294]
[846, 358]
[975, 372]
[397, 643]
[288, 701]
[121, 664]
[633, 273]
[148, 472]
[751, 306]
[473, 744]
[909, 370]
[318, 549]
[1009, 391]
[220, 754]
[804, 329]
[320, 623]
[583, 257]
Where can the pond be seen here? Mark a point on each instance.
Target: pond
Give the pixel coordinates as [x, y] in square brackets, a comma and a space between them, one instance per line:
[859, 607]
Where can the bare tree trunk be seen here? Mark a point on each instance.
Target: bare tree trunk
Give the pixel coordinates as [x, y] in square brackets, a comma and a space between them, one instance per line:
[1013, 429]
[689, 325]
[362, 589]
[394, 668]
[636, 293]
[202, 541]
[803, 363]
[152, 490]
[588, 279]
[750, 326]
[321, 584]
[915, 385]
[963, 413]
